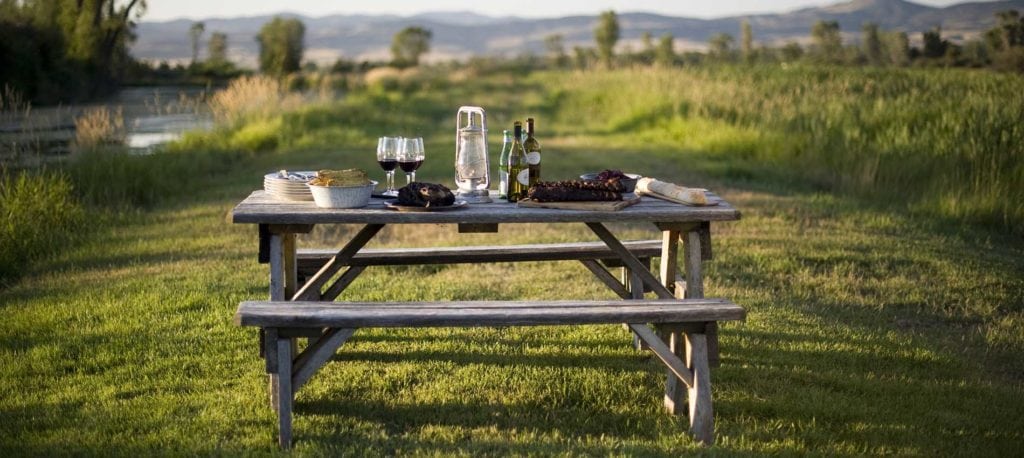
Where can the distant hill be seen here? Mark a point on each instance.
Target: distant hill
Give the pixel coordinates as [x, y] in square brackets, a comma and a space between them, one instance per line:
[463, 34]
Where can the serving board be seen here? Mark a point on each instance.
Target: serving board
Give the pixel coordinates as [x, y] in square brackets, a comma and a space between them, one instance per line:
[611, 205]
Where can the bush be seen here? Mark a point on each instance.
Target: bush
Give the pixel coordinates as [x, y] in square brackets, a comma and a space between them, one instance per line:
[39, 215]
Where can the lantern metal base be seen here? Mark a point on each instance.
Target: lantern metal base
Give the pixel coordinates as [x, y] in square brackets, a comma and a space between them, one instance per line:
[474, 197]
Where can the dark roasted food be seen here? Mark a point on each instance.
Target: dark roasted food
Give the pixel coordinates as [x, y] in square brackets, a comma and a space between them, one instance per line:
[425, 195]
[609, 174]
[575, 191]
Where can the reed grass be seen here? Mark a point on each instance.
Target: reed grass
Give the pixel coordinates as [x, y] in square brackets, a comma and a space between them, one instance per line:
[100, 127]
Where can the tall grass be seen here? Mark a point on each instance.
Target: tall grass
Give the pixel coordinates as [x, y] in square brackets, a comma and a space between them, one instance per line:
[252, 97]
[38, 214]
[950, 143]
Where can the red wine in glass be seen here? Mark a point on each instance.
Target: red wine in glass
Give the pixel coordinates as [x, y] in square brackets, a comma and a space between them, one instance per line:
[388, 164]
[410, 166]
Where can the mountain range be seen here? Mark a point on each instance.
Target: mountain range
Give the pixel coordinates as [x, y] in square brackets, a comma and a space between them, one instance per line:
[461, 34]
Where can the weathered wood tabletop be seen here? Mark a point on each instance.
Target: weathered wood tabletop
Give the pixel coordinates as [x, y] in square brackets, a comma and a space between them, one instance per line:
[261, 208]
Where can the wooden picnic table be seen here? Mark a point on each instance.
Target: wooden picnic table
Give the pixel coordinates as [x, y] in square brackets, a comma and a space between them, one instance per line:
[280, 221]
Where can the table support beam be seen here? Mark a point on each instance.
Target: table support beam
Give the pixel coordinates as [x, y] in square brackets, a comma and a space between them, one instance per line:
[311, 290]
[672, 361]
[606, 277]
[630, 260]
[316, 355]
[341, 284]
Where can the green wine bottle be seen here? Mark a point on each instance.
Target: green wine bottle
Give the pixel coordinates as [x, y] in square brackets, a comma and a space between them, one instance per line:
[518, 170]
[532, 147]
[506, 148]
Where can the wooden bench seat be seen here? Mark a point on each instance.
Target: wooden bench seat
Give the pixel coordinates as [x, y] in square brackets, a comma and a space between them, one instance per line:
[311, 260]
[677, 319]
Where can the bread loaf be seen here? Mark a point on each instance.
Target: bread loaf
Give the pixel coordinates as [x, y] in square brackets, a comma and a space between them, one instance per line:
[691, 196]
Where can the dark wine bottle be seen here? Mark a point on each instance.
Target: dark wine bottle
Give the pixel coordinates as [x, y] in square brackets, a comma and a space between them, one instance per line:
[532, 147]
[518, 170]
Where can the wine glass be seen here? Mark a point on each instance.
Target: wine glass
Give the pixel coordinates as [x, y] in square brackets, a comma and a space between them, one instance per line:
[410, 157]
[387, 157]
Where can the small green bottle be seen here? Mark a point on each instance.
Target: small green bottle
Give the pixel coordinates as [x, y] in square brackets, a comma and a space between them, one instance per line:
[506, 148]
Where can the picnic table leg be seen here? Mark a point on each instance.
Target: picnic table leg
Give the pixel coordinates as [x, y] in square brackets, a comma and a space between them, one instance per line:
[693, 252]
[635, 285]
[675, 390]
[277, 293]
[285, 395]
[702, 419]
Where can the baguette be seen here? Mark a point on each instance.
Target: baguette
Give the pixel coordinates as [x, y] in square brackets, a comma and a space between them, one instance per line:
[690, 196]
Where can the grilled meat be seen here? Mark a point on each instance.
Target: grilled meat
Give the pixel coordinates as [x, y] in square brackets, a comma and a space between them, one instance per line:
[425, 195]
[575, 190]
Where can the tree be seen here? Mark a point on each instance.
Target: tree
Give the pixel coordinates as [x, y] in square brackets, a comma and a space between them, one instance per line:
[281, 46]
[1008, 32]
[872, 43]
[647, 40]
[746, 41]
[606, 34]
[555, 47]
[897, 48]
[934, 46]
[665, 53]
[217, 48]
[582, 57]
[720, 46]
[792, 52]
[195, 33]
[828, 44]
[408, 45]
[1007, 41]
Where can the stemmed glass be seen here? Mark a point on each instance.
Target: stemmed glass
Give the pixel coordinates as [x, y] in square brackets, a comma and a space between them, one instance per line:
[387, 157]
[410, 157]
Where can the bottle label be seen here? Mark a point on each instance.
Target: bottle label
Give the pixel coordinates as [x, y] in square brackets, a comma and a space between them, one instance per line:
[502, 183]
[533, 158]
[524, 177]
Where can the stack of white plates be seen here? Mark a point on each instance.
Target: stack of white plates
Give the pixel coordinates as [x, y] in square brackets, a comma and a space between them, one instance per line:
[288, 185]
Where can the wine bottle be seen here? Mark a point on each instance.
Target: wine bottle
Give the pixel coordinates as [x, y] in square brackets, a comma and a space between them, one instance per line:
[532, 147]
[506, 148]
[518, 170]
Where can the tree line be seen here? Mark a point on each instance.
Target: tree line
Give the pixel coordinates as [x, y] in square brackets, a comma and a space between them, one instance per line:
[1001, 47]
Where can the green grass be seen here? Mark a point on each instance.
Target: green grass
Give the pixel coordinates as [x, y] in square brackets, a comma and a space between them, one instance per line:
[872, 328]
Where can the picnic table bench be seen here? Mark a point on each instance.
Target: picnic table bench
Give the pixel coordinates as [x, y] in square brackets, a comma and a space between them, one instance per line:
[304, 286]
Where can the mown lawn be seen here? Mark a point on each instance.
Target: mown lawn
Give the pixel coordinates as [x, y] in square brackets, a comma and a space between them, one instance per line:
[870, 330]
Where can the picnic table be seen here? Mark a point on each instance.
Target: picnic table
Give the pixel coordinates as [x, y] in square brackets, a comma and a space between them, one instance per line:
[304, 286]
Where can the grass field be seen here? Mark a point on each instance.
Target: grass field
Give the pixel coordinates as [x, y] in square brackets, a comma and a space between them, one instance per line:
[876, 325]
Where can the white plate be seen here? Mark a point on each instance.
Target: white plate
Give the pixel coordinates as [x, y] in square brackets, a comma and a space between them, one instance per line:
[306, 174]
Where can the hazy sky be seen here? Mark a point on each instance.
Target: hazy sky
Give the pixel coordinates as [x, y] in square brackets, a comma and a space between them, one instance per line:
[160, 10]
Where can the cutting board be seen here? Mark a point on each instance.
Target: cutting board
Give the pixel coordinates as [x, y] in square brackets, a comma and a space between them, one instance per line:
[611, 205]
[712, 199]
